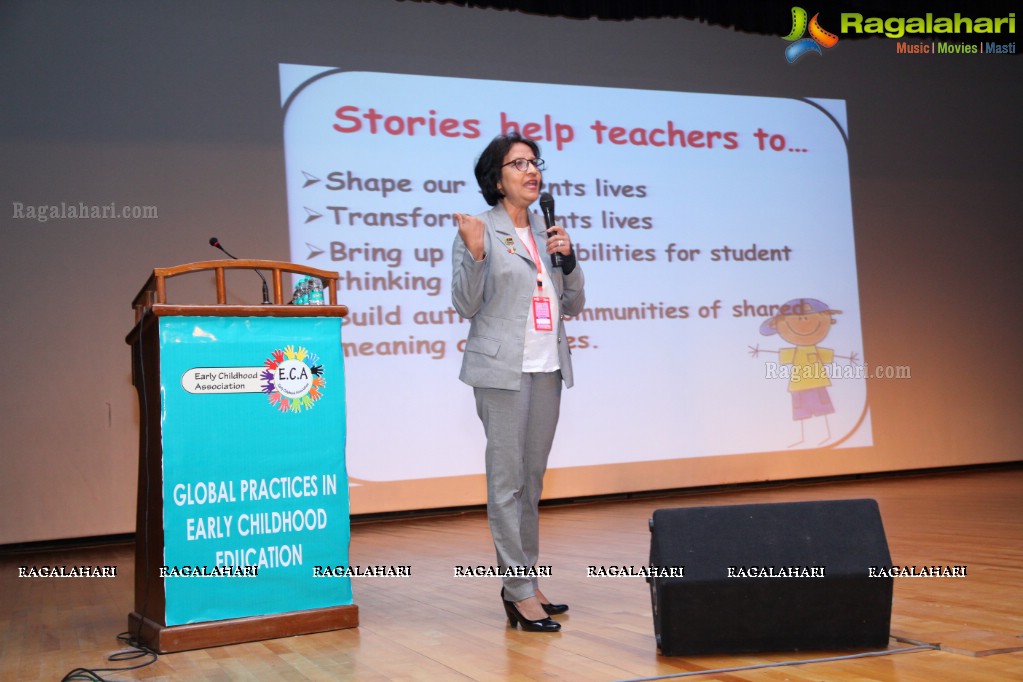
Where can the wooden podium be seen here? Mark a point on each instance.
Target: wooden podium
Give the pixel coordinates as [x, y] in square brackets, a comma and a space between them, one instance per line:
[213, 491]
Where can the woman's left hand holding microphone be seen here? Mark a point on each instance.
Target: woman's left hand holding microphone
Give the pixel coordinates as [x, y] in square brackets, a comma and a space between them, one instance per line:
[558, 241]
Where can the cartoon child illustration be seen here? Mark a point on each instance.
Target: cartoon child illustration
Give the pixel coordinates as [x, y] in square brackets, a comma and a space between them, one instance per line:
[805, 322]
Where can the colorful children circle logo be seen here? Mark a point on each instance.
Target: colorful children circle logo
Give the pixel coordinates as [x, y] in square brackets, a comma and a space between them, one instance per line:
[818, 36]
[293, 379]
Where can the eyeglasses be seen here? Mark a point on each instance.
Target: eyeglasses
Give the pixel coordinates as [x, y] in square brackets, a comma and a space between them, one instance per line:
[522, 165]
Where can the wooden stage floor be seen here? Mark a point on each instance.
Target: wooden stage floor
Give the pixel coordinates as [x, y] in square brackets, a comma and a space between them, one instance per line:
[434, 626]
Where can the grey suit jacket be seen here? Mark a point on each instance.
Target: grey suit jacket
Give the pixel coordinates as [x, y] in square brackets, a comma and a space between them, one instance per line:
[495, 295]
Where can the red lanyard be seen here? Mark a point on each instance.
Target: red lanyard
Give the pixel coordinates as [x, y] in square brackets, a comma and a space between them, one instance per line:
[534, 253]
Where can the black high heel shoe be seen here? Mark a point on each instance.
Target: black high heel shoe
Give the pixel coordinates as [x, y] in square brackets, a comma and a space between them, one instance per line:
[554, 609]
[515, 617]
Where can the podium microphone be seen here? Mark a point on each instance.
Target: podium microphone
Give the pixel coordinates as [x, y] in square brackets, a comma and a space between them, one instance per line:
[215, 243]
[547, 207]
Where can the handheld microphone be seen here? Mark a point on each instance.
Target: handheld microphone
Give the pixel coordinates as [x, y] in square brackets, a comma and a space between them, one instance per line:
[215, 243]
[547, 208]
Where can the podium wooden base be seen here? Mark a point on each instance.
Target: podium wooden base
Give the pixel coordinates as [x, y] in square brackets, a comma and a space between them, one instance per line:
[169, 639]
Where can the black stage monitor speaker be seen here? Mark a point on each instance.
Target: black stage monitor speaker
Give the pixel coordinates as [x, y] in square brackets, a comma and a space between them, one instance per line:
[770, 577]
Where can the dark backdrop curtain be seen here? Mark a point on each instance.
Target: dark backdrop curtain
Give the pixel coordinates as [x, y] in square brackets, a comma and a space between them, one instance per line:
[770, 17]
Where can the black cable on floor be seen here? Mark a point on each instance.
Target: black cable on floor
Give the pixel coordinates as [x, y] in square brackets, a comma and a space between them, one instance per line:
[136, 651]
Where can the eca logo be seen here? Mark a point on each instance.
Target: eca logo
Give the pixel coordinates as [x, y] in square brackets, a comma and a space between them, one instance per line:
[818, 36]
[293, 379]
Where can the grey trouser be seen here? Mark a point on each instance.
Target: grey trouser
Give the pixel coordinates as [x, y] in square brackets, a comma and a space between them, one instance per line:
[520, 428]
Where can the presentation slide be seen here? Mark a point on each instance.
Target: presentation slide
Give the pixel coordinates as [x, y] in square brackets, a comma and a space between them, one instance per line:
[715, 233]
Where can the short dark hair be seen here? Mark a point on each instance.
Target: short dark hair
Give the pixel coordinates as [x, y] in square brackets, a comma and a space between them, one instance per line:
[488, 165]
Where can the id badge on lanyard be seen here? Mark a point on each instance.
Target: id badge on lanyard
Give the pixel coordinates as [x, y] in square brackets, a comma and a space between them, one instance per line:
[542, 318]
[542, 321]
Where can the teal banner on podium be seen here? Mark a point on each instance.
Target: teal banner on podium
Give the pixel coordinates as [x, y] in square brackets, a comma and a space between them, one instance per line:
[255, 492]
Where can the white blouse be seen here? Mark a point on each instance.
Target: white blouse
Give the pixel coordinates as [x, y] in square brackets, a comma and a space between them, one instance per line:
[541, 347]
